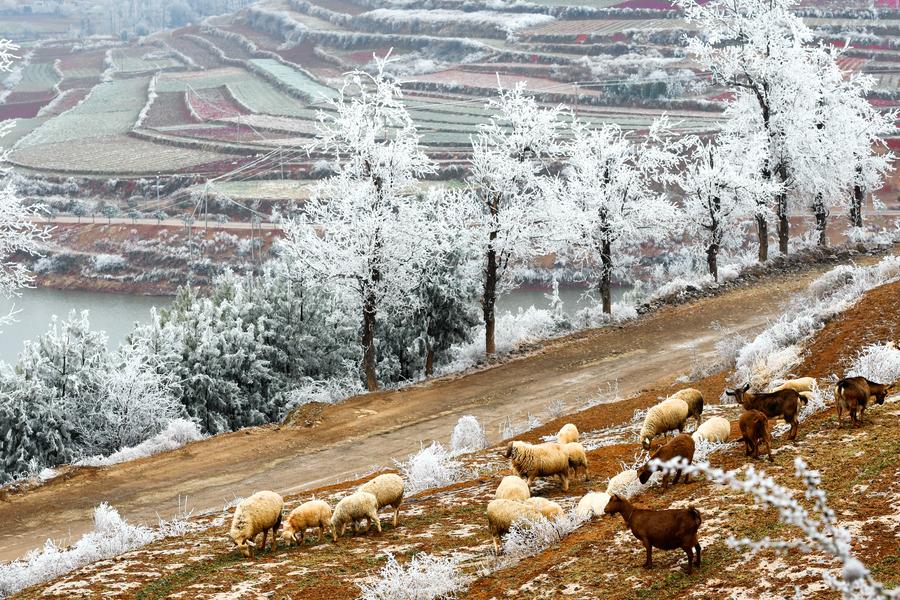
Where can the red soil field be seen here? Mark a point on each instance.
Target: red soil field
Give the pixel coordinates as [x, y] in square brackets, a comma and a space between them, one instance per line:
[168, 109]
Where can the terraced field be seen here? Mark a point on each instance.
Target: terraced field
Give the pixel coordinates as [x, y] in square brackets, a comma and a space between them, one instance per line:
[315, 92]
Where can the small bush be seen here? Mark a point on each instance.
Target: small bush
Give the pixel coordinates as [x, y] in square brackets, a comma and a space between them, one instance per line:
[468, 436]
[527, 538]
[176, 434]
[878, 362]
[108, 263]
[425, 577]
[431, 467]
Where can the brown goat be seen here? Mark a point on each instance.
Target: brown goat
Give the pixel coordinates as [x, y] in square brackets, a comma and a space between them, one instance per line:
[663, 529]
[853, 393]
[783, 403]
[680, 445]
[755, 431]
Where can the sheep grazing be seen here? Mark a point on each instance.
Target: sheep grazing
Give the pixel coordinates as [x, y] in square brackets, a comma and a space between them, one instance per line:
[592, 505]
[853, 393]
[666, 416]
[681, 445]
[355, 507]
[388, 490]
[799, 385]
[260, 513]
[783, 403]
[716, 429]
[755, 432]
[312, 514]
[568, 433]
[501, 514]
[577, 459]
[512, 487]
[663, 529]
[530, 461]
[621, 482]
[548, 508]
[694, 400]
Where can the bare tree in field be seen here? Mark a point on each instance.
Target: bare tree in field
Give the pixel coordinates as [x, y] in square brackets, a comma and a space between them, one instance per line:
[510, 155]
[360, 231]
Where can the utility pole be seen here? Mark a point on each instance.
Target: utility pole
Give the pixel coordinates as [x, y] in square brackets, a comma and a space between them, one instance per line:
[158, 206]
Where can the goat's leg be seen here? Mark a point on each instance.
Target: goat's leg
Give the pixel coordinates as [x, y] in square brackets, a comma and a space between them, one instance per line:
[648, 564]
[690, 557]
[697, 551]
[677, 476]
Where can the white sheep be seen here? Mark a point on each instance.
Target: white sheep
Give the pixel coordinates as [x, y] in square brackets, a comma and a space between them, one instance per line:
[666, 416]
[592, 505]
[501, 514]
[694, 400]
[619, 484]
[577, 459]
[715, 429]
[355, 507]
[799, 385]
[257, 514]
[388, 490]
[568, 433]
[315, 513]
[512, 487]
[530, 461]
[548, 508]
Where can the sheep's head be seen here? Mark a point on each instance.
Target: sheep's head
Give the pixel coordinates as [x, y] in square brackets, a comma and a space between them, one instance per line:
[288, 536]
[244, 545]
[645, 443]
[509, 449]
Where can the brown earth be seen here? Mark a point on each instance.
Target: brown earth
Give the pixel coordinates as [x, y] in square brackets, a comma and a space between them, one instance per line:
[365, 432]
[860, 470]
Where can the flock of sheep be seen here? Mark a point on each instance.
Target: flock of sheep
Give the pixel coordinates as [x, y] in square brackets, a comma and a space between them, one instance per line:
[566, 459]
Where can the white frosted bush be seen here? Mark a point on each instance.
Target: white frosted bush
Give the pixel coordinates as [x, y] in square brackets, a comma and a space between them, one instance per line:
[878, 362]
[327, 391]
[468, 436]
[111, 536]
[175, 435]
[105, 263]
[425, 577]
[430, 467]
[527, 538]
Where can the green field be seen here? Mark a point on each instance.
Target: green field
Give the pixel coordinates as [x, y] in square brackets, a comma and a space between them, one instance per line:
[111, 109]
[126, 61]
[37, 77]
[296, 80]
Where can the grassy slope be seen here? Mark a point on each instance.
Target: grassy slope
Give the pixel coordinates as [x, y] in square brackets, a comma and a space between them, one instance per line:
[860, 471]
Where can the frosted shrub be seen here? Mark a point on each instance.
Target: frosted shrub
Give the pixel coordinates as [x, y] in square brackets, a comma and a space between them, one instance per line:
[328, 391]
[176, 434]
[774, 351]
[425, 577]
[431, 467]
[106, 263]
[819, 528]
[111, 537]
[508, 429]
[878, 362]
[468, 436]
[527, 538]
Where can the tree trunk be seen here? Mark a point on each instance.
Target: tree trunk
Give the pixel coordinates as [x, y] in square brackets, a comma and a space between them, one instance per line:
[429, 357]
[856, 206]
[821, 213]
[368, 342]
[712, 260]
[489, 299]
[784, 227]
[606, 276]
[762, 232]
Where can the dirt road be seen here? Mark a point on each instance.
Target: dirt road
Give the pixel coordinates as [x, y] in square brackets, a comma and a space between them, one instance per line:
[371, 430]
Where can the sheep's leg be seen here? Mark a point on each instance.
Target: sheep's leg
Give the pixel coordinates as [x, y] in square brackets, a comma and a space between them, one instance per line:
[530, 480]
[565, 482]
[396, 514]
[275, 538]
[264, 534]
[697, 551]
[495, 539]
[377, 522]
[690, 557]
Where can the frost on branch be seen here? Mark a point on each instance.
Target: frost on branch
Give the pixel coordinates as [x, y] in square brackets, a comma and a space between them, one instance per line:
[527, 538]
[820, 530]
[878, 362]
[430, 467]
[425, 577]
[468, 436]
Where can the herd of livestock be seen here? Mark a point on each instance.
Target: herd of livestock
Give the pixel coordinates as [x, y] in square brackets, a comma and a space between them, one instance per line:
[565, 459]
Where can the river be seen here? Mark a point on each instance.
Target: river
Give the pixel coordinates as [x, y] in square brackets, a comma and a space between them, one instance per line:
[116, 314]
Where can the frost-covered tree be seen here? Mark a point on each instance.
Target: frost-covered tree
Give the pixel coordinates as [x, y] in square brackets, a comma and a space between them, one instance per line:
[763, 52]
[718, 187]
[358, 230]
[607, 199]
[510, 155]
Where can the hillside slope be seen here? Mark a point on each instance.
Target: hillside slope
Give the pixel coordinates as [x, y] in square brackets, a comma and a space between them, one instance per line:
[860, 467]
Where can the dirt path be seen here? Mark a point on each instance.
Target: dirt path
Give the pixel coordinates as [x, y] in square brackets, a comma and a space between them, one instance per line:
[371, 430]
